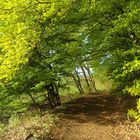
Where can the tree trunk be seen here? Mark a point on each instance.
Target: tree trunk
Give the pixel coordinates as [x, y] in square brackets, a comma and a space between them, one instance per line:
[57, 94]
[76, 83]
[86, 79]
[91, 77]
[79, 82]
[33, 100]
[53, 95]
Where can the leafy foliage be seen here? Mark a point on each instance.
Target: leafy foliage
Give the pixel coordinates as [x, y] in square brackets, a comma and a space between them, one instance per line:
[43, 42]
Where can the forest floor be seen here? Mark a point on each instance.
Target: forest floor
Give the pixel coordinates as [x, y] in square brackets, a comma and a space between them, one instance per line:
[96, 117]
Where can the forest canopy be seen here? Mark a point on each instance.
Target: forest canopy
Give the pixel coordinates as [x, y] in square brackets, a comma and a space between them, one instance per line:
[44, 41]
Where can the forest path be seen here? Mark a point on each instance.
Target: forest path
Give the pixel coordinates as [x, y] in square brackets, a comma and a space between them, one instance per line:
[93, 117]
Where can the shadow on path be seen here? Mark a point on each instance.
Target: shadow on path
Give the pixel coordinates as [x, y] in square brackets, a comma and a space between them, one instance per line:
[101, 109]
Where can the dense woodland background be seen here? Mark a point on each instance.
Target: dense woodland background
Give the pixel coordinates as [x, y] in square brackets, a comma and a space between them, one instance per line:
[51, 48]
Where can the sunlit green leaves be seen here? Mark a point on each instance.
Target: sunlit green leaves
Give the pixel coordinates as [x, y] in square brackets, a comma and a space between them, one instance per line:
[43, 41]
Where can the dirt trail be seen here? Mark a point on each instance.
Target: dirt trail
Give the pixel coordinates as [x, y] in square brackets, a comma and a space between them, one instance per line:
[94, 117]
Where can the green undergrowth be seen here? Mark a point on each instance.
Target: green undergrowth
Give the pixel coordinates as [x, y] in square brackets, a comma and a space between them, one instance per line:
[28, 119]
[105, 85]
